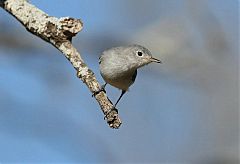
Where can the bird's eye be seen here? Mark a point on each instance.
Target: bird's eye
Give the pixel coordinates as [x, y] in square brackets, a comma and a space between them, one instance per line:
[139, 53]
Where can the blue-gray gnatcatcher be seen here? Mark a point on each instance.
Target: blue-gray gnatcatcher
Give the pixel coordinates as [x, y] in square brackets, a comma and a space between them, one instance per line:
[118, 65]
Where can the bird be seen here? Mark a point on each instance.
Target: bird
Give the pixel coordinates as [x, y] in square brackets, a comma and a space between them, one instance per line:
[119, 65]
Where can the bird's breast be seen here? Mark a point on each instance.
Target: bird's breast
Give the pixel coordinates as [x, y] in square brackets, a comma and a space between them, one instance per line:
[116, 71]
[118, 78]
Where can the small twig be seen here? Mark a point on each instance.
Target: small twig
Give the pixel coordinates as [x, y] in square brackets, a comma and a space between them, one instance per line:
[59, 33]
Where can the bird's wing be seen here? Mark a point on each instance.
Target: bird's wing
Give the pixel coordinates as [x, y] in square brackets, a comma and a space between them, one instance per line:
[134, 76]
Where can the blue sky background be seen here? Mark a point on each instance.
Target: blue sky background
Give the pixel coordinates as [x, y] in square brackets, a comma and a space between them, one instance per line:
[185, 110]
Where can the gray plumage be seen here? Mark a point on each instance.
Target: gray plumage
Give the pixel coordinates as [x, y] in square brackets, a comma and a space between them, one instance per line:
[118, 65]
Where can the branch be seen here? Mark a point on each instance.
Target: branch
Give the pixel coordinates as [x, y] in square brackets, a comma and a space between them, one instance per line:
[59, 33]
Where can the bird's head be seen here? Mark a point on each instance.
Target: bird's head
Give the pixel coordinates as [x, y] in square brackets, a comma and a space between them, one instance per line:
[140, 56]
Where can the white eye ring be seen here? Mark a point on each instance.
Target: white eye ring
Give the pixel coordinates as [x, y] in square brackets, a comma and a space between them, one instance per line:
[139, 53]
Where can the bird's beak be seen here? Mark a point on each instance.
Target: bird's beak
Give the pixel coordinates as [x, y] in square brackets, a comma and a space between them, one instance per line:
[152, 59]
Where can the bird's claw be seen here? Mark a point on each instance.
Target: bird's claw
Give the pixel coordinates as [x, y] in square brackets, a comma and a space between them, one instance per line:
[109, 111]
[102, 89]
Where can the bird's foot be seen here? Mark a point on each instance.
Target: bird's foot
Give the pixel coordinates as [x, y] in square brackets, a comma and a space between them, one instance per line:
[109, 111]
[102, 89]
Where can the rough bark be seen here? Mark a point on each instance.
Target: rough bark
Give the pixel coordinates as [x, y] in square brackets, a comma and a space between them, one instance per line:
[59, 32]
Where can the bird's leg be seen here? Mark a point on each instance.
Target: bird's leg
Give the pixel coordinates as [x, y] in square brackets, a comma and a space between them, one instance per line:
[102, 89]
[123, 92]
[114, 107]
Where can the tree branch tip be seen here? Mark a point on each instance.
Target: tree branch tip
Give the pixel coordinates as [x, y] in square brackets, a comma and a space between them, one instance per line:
[112, 119]
[115, 125]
